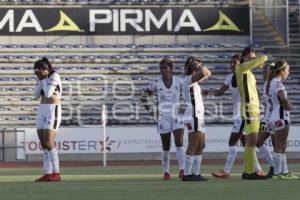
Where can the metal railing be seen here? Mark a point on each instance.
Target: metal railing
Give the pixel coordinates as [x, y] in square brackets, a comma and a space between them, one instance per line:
[4, 145]
[276, 14]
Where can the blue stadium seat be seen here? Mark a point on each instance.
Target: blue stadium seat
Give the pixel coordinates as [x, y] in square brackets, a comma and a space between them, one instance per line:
[92, 46]
[153, 68]
[26, 98]
[161, 45]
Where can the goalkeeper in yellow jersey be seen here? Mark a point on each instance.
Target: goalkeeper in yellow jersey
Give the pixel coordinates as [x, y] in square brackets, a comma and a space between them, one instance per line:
[250, 111]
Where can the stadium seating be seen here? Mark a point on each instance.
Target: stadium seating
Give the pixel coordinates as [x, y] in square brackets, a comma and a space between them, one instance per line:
[94, 77]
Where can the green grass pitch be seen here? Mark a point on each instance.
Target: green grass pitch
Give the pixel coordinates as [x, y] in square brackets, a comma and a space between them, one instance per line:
[141, 183]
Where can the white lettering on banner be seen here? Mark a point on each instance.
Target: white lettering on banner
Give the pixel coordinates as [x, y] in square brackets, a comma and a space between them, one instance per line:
[107, 21]
[166, 17]
[132, 21]
[130, 140]
[8, 17]
[120, 19]
[187, 14]
[94, 20]
[32, 24]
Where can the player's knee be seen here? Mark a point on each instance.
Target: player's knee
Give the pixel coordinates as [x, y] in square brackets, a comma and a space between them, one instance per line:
[232, 143]
[44, 146]
[190, 150]
[49, 145]
[178, 143]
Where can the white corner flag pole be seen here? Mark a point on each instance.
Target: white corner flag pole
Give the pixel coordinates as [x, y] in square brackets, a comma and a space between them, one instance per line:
[104, 120]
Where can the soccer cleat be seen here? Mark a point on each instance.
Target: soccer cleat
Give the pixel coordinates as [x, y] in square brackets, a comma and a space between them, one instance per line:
[45, 177]
[221, 174]
[256, 176]
[288, 176]
[245, 175]
[166, 176]
[253, 176]
[276, 177]
[261, 173]
[55, 177]
[188, 178]
[271, 172]
[181, 173]
[200, 178]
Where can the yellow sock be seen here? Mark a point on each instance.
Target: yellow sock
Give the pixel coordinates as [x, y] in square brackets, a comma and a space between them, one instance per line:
[250, 155]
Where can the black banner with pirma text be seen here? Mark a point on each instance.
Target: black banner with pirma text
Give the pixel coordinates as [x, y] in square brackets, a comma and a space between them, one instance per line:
[125, 21]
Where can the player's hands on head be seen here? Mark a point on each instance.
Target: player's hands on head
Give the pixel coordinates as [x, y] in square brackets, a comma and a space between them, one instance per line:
[41, 74]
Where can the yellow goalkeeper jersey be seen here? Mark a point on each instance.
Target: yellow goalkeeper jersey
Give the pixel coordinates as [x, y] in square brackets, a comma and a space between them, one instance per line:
[247, 87]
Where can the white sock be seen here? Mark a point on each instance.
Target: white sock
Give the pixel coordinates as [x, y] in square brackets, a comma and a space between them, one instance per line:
[197, 164]
[230, 158]
[47, 163]
[165, 161]
[277, 160]
[257, 165]
[189, 160]
[54, 160]
[180, 157]
[284, 169]
[266, 154]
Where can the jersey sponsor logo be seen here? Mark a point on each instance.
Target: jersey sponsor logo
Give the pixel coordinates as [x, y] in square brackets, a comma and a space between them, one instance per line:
[189, 126]
[161, 126]
[263, 127]
[278, 124]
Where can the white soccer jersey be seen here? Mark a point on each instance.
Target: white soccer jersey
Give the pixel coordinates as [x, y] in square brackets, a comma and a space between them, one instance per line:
[49, 115]
[193, 99]
[278, 112]
[266, 101]
[168, 99]
[55, 80]
[235, 96]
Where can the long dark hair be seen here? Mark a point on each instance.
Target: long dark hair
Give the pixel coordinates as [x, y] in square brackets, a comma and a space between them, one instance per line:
[188, 68]
[246, 51]
[233, 80]
[274, 70]
[43, 64]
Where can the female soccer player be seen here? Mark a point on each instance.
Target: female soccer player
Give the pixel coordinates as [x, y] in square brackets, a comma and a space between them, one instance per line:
[250, 110]
[195, 71]
[167, 89]
[237, 132]
[48, 89]
[264, 129]
[280, 118]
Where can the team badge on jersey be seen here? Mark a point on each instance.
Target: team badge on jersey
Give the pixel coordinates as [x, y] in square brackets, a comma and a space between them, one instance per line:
[189, 126]
[278, 124]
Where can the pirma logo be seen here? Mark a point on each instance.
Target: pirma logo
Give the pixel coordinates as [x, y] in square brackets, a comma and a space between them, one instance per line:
[124, 21]
[224, 24]
[65, 24]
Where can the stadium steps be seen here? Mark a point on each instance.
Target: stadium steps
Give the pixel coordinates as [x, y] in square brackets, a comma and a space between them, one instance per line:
[263, 31]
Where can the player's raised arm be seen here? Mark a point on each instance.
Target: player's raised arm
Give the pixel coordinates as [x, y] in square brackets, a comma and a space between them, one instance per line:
[49, 86]
[37, 90]
[196, 69]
